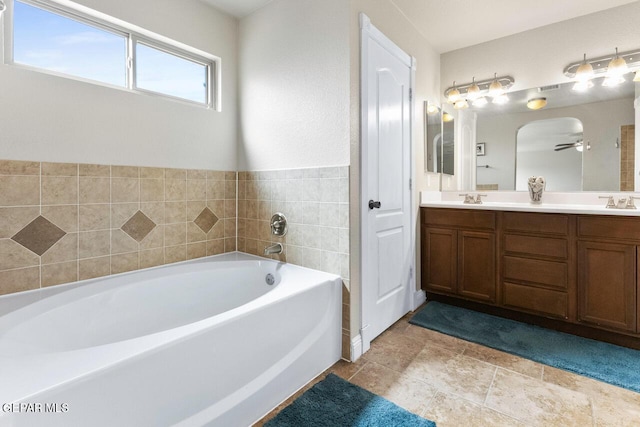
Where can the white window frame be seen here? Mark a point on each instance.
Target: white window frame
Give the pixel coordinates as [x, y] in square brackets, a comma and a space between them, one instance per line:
[132, 35]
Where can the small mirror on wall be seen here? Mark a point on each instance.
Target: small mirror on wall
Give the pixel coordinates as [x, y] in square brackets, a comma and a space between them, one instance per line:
[447, 147]
[433, 136]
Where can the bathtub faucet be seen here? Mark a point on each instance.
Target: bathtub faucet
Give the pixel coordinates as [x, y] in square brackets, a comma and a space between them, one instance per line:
[273, 249]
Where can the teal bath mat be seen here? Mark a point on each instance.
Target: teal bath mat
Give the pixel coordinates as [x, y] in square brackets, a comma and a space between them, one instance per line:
[334, 402]
[602, 361]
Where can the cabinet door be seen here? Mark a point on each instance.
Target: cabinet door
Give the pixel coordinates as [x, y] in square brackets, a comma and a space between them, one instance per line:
[439, 249]
[607, 285]
[477, 265]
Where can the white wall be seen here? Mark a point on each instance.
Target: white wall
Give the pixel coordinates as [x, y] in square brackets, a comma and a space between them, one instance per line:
[49, 118]
[294, 85]
[538, 57]
[601, 121]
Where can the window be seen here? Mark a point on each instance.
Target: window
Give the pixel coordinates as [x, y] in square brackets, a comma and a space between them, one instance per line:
[49, 37]
[162, 72]
[54, 42]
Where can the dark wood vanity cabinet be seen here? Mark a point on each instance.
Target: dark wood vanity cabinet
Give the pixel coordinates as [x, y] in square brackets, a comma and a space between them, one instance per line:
[459, 253]
[607, 272]
[575, 270]
[607, 279]
[536, 254]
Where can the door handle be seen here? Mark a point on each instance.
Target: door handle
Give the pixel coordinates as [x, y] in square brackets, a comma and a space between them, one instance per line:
[374, 205]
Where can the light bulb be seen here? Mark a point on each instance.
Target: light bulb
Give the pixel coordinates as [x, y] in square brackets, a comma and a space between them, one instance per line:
[480, 102]
[432, 109]
[612, 81]
[473, 92]
[461, 104]
[454, 95]
[496, 89]
[585, 71]
[617, 66]
[583, 86]
[502, 99]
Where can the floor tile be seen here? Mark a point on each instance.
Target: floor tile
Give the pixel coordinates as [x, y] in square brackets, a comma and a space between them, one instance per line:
[505, 360]
[612, 406]
[453, 411]
[453, 373]
[403, 390]
[394, 351]
[346, 370]
[538, 403]
[429, 337]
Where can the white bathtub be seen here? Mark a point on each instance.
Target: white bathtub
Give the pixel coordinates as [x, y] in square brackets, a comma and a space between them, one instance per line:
[205, 342]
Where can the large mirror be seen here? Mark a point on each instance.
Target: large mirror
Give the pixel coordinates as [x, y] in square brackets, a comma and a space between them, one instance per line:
[577, 140]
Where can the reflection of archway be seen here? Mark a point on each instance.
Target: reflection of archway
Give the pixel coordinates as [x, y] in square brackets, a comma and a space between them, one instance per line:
[537, 153]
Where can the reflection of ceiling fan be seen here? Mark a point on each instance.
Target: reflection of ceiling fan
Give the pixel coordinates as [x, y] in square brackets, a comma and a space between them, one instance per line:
[577, 145]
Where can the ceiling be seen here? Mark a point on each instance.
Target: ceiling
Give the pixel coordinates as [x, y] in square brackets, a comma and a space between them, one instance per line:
[237, 8]
[454, 24]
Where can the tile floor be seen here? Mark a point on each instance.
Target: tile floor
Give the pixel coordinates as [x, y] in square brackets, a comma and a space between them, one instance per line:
[458, 383]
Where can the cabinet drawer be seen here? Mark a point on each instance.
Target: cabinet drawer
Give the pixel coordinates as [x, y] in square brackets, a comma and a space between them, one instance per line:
[548, 273]
[542, 246]
[536, 222]
[609, 227]
[459, 218]
[537, 300]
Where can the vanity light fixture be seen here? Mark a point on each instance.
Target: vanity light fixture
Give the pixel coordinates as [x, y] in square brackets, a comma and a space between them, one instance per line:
[446, 117]
[613, 67]
[536, 103]
[585, 71]
[636, 78]
[461, 104]
[495, 88]
[584, 74]
[616, 69]
[454, 95]
[473, 92]
[617, 66]
[476, 91]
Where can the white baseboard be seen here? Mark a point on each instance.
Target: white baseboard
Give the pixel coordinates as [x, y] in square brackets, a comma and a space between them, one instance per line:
[356, 348]
[419, 297]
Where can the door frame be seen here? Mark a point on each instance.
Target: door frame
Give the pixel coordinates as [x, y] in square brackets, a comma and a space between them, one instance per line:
[368, 32]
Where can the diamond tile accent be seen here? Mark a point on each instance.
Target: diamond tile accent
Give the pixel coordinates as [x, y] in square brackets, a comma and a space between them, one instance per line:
[39, 235]
[138, 226]
[206, 220]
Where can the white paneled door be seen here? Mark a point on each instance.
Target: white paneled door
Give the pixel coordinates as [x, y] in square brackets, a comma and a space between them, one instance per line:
[387, 256]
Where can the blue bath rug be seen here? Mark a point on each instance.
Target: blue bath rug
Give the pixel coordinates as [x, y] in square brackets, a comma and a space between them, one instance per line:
[602, 361]
[334, 402]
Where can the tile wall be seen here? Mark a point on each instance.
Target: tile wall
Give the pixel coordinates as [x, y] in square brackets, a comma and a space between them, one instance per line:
[627, 157]
[316, 204]
[62, 222]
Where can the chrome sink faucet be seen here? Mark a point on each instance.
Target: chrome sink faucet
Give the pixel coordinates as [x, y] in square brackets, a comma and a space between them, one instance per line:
[469, 200]
[623, 202]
